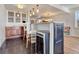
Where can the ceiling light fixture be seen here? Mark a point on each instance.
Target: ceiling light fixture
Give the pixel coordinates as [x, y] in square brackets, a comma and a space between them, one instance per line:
[37, 8]
[20, 6]
[30, 13]
[33, 12]
[18, 15]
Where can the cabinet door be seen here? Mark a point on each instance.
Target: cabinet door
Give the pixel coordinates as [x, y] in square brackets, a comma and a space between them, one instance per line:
[10, 17]
[9, 32]
[18, 31]
[17, 17]
[13, 32]
[23, 18]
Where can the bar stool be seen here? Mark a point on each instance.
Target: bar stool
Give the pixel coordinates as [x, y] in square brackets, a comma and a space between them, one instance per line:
[28, 41]
[33, 42]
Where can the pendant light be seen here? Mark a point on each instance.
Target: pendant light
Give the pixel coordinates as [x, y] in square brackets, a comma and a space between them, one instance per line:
[33, 12]
[37, 8]
[30, 13]
[20, 6]
[18, 15]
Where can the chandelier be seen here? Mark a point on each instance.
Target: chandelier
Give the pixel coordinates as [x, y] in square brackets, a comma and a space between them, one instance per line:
[34, 10]
[20, 6]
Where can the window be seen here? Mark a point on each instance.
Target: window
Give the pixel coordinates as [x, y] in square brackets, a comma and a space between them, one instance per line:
[77, 19]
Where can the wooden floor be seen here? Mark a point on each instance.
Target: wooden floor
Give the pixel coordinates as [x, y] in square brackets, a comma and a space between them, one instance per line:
[17, 46]
[71, 45]
[14, 46]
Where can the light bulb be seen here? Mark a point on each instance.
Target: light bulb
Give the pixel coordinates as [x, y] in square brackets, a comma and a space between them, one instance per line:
[33, 13]
[17, 15]
[37, 10]
[20, 6]
[30, 14]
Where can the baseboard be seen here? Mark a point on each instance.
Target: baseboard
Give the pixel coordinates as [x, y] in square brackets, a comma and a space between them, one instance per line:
[14, 37]
[72, 36]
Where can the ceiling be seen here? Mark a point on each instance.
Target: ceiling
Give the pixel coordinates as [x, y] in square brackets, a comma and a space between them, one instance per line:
[42, 7]
[46, 10]
[70, 5]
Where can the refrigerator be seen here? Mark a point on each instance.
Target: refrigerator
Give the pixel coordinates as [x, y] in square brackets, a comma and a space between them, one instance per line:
[56, 38]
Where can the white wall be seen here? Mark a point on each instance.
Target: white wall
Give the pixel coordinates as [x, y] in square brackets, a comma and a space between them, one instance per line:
[2, 23]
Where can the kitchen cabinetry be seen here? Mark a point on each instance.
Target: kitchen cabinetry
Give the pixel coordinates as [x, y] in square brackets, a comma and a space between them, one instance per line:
[17, 17]
[13, 32]
[14, 18]
[16, 24]
[10, 17]
[24, 18]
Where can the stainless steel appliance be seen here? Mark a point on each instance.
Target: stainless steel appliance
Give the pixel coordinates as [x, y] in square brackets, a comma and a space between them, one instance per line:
[56, 38]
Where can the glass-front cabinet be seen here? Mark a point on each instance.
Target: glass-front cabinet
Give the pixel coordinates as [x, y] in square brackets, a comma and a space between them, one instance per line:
[14, 18]
[24, 18]
[10, 17]
[17, 17]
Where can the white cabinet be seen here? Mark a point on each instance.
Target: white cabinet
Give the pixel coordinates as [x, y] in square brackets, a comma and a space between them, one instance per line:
[16, 18]
[24, 17]
[10, 17]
